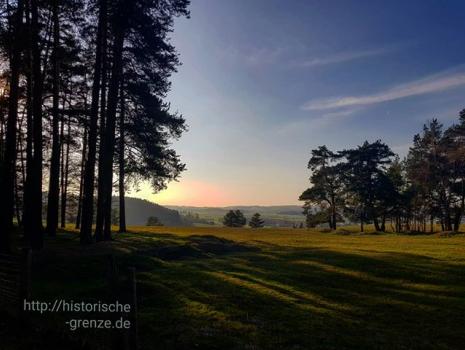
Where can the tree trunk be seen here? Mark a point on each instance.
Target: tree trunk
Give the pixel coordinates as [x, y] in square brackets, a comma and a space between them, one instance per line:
[19, 200]
[33, 206]
[457, 218]
[361, 221]
[122, 206]
[81, 182]
[109, 140]
[29, 118]
[376, 223]
[62, 158]
[103, 107]
[448, 220]
[54, 183]
[89, 176]
[7, 172]
[333, 214]
[64, 194]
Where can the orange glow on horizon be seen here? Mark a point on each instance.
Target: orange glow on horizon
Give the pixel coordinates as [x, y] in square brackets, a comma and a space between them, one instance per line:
[186, 193]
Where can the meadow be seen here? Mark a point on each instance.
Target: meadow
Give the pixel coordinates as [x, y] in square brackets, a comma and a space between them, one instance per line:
[229, 288]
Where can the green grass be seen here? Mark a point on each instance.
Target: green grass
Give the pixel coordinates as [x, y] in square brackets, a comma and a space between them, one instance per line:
[274, 288]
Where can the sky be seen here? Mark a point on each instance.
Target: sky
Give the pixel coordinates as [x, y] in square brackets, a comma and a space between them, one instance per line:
[263, 82]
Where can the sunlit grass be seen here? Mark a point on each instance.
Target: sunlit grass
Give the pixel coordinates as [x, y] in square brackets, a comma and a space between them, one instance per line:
[277, 288]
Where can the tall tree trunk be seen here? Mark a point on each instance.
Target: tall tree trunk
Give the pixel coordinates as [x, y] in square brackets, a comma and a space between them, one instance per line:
[64, 195]
[29, 118]
[62, 157]
[33, 205]
[109, 140]
[333, 213]
[103, 108]
[81, 182]
[447, 219]
[89, 176]
[383, 223]
[122, 205]
[54, 184]
[361, 220]
[7, 172]
[376, 223]
[19, 199]
[457, 218]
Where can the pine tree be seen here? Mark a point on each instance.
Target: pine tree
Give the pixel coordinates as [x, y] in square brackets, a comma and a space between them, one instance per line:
[256, 221]
[327, 185]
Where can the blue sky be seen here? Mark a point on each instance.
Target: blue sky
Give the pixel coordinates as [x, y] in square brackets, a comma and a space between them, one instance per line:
[264, 82]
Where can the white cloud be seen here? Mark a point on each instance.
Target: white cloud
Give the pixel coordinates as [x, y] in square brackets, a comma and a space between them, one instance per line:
[431, 84]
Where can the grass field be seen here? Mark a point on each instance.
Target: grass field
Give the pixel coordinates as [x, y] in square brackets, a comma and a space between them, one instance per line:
[220, 288]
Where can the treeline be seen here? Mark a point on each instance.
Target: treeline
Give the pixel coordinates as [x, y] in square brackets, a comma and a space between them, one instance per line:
[370, 184]
[82, 111]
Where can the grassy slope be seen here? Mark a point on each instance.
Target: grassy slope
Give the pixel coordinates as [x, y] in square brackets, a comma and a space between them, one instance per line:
[281, 289]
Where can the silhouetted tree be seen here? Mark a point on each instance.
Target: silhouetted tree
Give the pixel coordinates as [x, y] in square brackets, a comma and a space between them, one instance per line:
[256, 221]
[234, 218]
[327, 185]
[366, 179]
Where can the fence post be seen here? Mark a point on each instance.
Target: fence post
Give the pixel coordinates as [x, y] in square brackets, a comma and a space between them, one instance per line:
[133, 286]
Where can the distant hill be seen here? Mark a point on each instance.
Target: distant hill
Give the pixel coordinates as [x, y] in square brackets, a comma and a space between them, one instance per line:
[276, 215]
[139, 210]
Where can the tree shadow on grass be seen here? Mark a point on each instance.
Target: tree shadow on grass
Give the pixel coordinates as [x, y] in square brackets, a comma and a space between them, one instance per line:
[240, 296]
[314, 299]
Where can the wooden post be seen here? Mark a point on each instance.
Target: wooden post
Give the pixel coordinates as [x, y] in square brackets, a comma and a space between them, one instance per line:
[133, 286]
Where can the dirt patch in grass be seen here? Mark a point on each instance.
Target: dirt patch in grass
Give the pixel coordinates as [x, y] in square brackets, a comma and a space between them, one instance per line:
[197, 247]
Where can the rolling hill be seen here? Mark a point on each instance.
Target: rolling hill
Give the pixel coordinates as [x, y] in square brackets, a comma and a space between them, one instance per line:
[139, 210]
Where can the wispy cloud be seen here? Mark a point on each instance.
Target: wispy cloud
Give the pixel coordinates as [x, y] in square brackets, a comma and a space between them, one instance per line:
[252, 56]
[435, 83]
[342, 57]
[316, 121]
[264, 55]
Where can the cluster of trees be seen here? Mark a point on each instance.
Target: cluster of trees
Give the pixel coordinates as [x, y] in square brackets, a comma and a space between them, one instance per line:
[235, 218]
[194, 218]
[82, 88]
[370, 184]
[153, 221]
